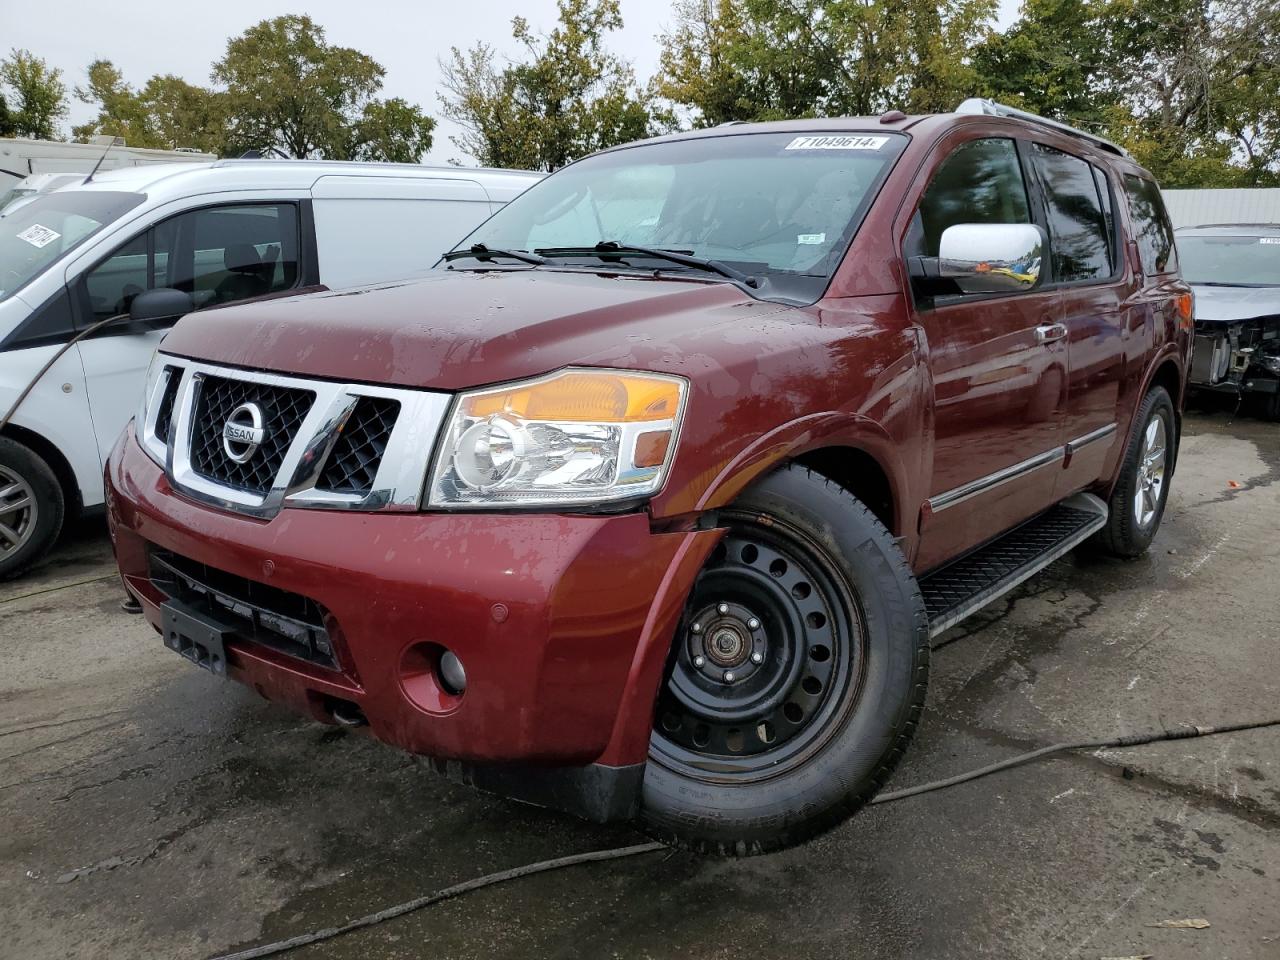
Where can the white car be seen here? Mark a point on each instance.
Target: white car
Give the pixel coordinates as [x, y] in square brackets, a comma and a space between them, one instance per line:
[218, 233]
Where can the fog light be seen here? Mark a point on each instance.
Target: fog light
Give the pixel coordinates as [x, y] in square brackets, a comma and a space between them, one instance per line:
[452, 677]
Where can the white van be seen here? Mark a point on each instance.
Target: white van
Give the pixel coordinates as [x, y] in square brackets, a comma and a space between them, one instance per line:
[209, 234]
[21, 157]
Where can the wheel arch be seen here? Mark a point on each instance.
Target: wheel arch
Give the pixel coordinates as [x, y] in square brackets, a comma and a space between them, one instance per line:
[73, 502]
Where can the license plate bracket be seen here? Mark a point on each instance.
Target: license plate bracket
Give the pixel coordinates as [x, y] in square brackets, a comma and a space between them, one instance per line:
[195, 636]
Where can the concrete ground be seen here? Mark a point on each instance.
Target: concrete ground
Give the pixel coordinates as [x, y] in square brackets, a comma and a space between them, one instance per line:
[148, 810]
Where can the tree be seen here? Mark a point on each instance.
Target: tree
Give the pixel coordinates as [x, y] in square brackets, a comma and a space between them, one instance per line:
[288, 89]
[39, 96]
[167, 113]
[568, 97]
[1191, 87]
[770, 59]
[7, 127]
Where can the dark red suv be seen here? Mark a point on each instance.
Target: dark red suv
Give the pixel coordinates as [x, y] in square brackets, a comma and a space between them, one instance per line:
[647, 500]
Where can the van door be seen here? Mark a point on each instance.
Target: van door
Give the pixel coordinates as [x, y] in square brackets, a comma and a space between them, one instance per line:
[371, 229]
[219, 254]
[998, 379]
[1085, 268]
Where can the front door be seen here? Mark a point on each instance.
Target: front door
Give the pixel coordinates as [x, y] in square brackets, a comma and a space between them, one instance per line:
[223, 254]
[998, 365]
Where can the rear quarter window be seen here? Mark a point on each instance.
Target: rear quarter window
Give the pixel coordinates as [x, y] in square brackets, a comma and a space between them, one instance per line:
[1152, 230]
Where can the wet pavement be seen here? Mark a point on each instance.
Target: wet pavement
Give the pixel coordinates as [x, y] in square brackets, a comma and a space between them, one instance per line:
[149, 810]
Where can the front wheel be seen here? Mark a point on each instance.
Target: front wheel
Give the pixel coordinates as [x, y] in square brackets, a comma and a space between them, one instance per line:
[1138, 501]
[796, 679]
[31, 508]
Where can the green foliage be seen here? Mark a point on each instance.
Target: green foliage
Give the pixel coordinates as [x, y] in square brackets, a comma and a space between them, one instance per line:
[167, 113]
[567, 97]
[7, 127]
[39, 96]
[769, 59]
[288, 89]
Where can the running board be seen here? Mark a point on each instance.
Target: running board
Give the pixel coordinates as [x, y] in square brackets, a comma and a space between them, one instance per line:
[964, 586]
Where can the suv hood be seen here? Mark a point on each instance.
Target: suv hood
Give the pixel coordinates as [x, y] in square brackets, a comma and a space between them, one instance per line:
[1226, 304]
[459, 329]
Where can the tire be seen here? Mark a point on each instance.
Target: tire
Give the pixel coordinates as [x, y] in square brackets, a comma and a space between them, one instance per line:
[1127, 534]
[810, 582]
[31, 508]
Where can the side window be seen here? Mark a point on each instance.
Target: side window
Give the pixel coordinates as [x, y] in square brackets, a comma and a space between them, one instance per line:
[1077, 227]
[225, 254]
[980, 183]
[113, 283]
[1108, 213]
[1152, 230]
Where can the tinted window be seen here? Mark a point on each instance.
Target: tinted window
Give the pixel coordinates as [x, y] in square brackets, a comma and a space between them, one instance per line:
[980, 183]
[1077, 229]
[1152, 229]
[224, 254]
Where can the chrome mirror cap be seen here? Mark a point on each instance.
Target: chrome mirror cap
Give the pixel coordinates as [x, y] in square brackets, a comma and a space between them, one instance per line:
[992, 257]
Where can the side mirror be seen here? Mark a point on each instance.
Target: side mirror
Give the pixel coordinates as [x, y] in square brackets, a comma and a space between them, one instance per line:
[160, 305]
[991, 257]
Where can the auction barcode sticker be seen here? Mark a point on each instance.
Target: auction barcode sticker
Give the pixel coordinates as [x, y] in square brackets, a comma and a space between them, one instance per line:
[1269, 239]
[38, 236]
[837, 143]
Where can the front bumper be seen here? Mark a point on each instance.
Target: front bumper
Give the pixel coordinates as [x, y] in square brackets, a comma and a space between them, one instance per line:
[563, 622]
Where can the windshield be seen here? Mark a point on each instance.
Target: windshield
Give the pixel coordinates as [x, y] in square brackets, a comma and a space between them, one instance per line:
[780, 207]
[40, 229]
[1231, 261]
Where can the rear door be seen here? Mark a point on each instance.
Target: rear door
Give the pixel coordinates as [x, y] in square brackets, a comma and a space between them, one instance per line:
[998, 385]
[1095, 317]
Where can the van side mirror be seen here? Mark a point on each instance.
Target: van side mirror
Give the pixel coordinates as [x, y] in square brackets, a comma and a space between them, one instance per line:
[991, 257]
[160, 305]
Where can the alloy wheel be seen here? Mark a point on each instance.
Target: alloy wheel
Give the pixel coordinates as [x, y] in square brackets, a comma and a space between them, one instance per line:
[18, 512]
[1151, 473]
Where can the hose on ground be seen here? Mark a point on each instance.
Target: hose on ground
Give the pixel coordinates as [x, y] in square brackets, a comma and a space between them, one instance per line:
[596, 856]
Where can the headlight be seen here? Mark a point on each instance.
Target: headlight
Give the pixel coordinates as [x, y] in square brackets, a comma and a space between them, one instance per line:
[575, 437]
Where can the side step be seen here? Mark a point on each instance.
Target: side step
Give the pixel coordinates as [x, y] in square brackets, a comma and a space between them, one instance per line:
[964, 586]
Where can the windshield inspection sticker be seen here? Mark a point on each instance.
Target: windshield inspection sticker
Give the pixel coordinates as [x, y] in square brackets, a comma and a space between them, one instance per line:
[813, 238]
[837, 143]
[38, 236]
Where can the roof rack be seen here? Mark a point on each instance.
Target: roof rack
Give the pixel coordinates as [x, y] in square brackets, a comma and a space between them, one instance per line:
[980, 105]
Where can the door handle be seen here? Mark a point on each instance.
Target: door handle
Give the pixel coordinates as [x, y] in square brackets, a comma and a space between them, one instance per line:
[1050, 332]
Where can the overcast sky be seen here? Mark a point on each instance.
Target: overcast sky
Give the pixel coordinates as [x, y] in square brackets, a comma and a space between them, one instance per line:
[146, 37]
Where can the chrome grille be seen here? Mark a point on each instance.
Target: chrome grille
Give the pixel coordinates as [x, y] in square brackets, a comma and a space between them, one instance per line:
[164, 416]
[357, 453]
[283, 409]
[321, 444]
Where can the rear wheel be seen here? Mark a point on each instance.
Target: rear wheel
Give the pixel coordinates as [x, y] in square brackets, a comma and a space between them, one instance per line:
[797, 676]
[1138, 501]
[31, 508]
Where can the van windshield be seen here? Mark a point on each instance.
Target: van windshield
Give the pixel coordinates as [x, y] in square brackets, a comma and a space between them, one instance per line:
[781, 207]
[39, 230]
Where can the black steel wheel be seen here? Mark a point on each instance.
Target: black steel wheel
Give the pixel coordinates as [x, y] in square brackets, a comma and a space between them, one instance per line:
[795, 678]
[768, 645]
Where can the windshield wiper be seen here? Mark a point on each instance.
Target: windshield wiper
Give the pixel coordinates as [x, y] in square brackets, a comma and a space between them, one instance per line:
[671, 256]
[479, 251]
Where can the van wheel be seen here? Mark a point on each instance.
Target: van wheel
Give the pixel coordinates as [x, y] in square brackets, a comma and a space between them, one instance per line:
[797, 675]
[1138, 501]
[31, 508]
